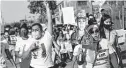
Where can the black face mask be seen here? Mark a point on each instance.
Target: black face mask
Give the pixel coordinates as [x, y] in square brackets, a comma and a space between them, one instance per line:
[108, 27]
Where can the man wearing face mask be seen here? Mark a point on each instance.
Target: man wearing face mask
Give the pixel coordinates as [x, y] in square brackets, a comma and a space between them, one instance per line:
[41, 48]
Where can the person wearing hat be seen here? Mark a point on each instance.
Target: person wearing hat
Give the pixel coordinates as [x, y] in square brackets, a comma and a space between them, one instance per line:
[76, 37]
[79, 32]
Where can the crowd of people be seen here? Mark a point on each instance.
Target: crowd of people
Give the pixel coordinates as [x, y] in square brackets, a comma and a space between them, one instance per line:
[89, 44]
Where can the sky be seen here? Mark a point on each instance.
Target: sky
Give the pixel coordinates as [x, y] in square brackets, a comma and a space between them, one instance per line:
[14, 10]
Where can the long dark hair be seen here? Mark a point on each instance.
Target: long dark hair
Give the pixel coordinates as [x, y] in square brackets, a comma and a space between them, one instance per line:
[101, 27]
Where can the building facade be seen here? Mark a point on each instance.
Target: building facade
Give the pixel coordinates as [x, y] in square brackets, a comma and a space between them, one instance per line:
[77, 5]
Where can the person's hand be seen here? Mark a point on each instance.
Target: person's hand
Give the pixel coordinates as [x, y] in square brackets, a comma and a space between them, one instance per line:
[33, 47]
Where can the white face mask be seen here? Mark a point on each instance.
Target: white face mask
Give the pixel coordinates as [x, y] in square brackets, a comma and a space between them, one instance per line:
[36, 33]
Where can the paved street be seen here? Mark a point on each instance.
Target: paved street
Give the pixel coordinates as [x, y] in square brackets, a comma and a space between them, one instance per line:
[69, 65]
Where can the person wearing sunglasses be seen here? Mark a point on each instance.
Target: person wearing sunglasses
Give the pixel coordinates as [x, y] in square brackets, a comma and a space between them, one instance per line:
[103, 54]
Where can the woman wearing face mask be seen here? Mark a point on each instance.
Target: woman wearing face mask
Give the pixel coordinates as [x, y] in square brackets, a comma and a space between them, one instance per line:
[106, 31]
[106, 28]
[22, 45]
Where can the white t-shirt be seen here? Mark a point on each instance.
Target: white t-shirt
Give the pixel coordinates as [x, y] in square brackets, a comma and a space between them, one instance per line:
[38, 61]
[23, 45]
[68, 46]
[102, 58]
[63, 48]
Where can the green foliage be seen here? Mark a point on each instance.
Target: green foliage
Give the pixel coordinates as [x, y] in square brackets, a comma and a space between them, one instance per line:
[38, 7]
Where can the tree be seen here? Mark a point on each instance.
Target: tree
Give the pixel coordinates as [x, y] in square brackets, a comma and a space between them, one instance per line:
[37, 7]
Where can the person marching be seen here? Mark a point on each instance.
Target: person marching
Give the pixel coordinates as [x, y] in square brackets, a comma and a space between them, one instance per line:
[104, 53]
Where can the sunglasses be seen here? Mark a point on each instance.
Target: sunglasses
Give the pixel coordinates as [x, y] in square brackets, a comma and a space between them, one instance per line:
[93, 31]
